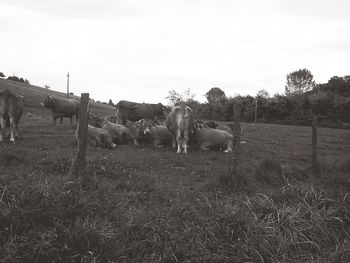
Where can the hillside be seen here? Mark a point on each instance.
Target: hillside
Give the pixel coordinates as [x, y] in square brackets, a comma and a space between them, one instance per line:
[34, 95]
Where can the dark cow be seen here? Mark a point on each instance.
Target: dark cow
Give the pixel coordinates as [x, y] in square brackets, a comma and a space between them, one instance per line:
[158, 135]
[133, 111]
[181, 124]
[62, 108]
[11, 108]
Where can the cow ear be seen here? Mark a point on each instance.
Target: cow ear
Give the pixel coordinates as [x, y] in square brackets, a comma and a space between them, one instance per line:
[139, 122]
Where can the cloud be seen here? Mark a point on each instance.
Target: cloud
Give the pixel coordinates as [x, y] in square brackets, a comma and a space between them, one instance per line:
[140, 50]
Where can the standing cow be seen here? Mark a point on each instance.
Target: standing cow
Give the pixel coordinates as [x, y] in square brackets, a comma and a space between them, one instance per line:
[62, 108]
[181, 124]
[11, 108]
[133, 111]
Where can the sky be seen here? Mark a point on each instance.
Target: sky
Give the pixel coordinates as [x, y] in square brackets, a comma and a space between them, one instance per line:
[140, 50]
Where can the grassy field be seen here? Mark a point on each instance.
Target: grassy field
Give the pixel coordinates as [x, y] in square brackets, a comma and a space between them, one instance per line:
[142, 204]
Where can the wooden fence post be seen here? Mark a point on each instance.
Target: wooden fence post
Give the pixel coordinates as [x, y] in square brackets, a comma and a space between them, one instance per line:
[314, 142]
[78, 166]
[236, 133]
[256, 111]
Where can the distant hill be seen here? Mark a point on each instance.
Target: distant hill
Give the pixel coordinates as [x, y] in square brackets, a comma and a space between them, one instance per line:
[34, 95]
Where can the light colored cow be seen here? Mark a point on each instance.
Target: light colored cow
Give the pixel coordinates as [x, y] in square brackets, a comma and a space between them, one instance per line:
[11, 108]
[209, 138]
[180, 123]
[119, 133]
[98, 137]
[158, 135]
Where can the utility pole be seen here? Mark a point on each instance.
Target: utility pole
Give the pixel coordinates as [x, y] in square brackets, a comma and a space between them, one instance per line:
[67, 85]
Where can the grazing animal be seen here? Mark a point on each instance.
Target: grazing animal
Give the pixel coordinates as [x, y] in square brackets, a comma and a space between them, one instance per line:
[133, 111]
[209, 138]
[98, 137]
[158, 135]
[181, 124]
[119, 133]
[61, 108]
[11, 108]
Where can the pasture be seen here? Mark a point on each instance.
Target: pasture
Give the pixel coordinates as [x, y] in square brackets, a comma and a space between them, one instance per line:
[142, 204]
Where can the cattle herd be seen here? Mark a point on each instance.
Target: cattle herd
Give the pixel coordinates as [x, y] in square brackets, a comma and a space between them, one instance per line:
[136, 123]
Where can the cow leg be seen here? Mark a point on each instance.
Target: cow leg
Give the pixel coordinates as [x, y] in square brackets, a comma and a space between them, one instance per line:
[71, 121]
[12, 130]
[54, 120]
[173, 140]
[61, 122]
[178, 141]
[184, 141]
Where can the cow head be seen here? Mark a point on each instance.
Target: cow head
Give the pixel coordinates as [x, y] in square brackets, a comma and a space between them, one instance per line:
[49, 102]
[144, 126]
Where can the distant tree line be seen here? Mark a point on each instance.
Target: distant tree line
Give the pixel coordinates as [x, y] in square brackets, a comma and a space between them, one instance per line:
[302, 98]
[14, 78]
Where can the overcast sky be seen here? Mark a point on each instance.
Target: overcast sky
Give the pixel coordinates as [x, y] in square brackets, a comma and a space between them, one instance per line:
[140, 50]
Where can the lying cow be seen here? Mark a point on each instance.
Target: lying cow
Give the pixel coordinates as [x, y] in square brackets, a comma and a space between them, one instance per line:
[118, 132]
[158, 135]
[181, 124]
[61, 108]
[98, 137]
[11, 108]
[133, 111]
[209, 138]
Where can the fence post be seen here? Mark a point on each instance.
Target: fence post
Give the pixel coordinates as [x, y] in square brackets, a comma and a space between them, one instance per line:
[236, 133]
[78, 166]
[256, 111]
[314, 142]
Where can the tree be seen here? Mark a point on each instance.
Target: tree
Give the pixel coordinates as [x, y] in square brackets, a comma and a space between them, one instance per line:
[2, 75]
[299, 82]
[175, 97]
[215, 95]
[263, 94]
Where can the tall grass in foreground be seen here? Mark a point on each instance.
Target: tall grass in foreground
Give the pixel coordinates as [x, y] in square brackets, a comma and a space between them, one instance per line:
[131, 218]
